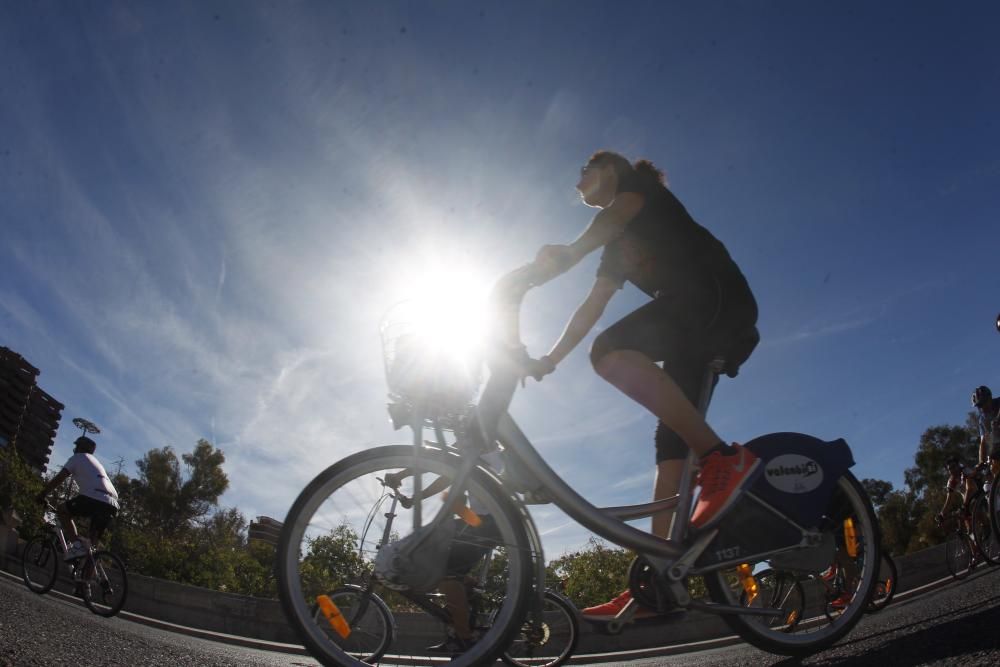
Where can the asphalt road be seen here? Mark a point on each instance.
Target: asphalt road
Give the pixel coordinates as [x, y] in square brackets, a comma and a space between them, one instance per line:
[958, 624]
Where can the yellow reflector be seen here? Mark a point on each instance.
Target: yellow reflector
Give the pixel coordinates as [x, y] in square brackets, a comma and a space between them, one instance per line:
[333, 615]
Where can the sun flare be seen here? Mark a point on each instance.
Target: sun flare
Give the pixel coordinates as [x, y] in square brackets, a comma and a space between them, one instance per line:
[434, 334]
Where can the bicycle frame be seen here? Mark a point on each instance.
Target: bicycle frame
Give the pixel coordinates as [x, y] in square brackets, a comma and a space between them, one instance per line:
[671, 558]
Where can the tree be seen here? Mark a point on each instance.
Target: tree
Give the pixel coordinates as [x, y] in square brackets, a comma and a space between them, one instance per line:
[330, 561]
[937, 445]
[161, 500]
[878, 490]
[19, 485]
[594, 574]
[899, 517]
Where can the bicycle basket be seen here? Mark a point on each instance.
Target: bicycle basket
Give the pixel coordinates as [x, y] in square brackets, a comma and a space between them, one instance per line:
[423, 369]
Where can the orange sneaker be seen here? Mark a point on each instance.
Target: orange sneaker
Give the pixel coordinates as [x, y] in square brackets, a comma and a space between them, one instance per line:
[722, 478]
[841, 602]
[608, 610]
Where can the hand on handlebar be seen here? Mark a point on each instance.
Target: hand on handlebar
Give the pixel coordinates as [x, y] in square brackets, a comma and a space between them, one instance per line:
[939, 518]
[538, 368]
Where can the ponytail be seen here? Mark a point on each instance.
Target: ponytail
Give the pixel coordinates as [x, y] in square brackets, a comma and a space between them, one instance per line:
[649, 175]
[643, 173]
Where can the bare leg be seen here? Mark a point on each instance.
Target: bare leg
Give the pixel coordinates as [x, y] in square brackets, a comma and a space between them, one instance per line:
[642, 380]
[458, 606]
[66, 519]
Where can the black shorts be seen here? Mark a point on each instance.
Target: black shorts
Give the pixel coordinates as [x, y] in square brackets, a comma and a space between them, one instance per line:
[471, 544]
[683, 330]
[100, 513]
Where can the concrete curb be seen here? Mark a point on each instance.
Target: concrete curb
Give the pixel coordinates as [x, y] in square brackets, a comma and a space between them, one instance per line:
[616, 656]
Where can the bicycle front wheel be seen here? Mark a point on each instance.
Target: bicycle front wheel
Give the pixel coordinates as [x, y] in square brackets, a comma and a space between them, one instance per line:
[40, 564]
[818, 628]
[982, 530]
[334, 528]
[548, 641]
[958, 555]
[994, 496]
[105, 591]
[885, 587]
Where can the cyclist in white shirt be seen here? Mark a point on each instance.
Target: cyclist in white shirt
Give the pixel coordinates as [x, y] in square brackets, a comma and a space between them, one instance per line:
[97, 500]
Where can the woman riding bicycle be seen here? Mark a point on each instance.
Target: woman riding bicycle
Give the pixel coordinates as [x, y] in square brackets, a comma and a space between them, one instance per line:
[700, 301]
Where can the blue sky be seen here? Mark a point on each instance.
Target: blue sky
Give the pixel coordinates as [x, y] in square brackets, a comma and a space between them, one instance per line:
[207, 207]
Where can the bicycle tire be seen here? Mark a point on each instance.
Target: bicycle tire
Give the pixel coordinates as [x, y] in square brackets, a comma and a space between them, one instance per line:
[982, 530]
[106, 591]
[817, 631]
[958, 555]
[994, 496]
[885, 587]
[353, 481]
[778, 590]
[552, 644]
[40, 564]
[371, 622]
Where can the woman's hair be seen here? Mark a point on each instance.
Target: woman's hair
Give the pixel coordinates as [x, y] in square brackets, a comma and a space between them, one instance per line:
[647, 174]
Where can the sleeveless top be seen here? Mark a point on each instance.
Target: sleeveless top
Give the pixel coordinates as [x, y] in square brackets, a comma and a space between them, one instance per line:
[664, 252]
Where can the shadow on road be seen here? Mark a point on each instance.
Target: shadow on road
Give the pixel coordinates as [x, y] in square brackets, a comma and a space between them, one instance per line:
[960, 640]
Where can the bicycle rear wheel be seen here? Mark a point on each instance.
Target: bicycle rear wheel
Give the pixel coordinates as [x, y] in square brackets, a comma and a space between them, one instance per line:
[777, 589]
[885, 587]
[104, 593]
[367, 616]
[332, 532]
[958, 555]
[817, 629]
[40, 564]
[549, 643]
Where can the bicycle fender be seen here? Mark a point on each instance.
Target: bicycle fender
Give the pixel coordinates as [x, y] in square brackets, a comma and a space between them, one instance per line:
[799, 473]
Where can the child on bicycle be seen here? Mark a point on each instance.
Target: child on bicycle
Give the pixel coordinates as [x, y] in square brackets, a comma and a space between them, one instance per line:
[700, 302]
[97, 499]
[470, 545]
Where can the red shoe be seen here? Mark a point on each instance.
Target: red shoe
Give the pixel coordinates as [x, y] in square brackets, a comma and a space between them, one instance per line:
[841, 602]
[608, 610]
[722, 478]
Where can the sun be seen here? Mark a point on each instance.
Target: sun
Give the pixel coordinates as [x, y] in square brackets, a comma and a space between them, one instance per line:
[433, 336]
[447, 308]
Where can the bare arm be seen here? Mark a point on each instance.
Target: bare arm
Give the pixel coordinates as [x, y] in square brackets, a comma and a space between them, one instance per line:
[52, 484]
[584, 319]
[947, 502]
[604, 228]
